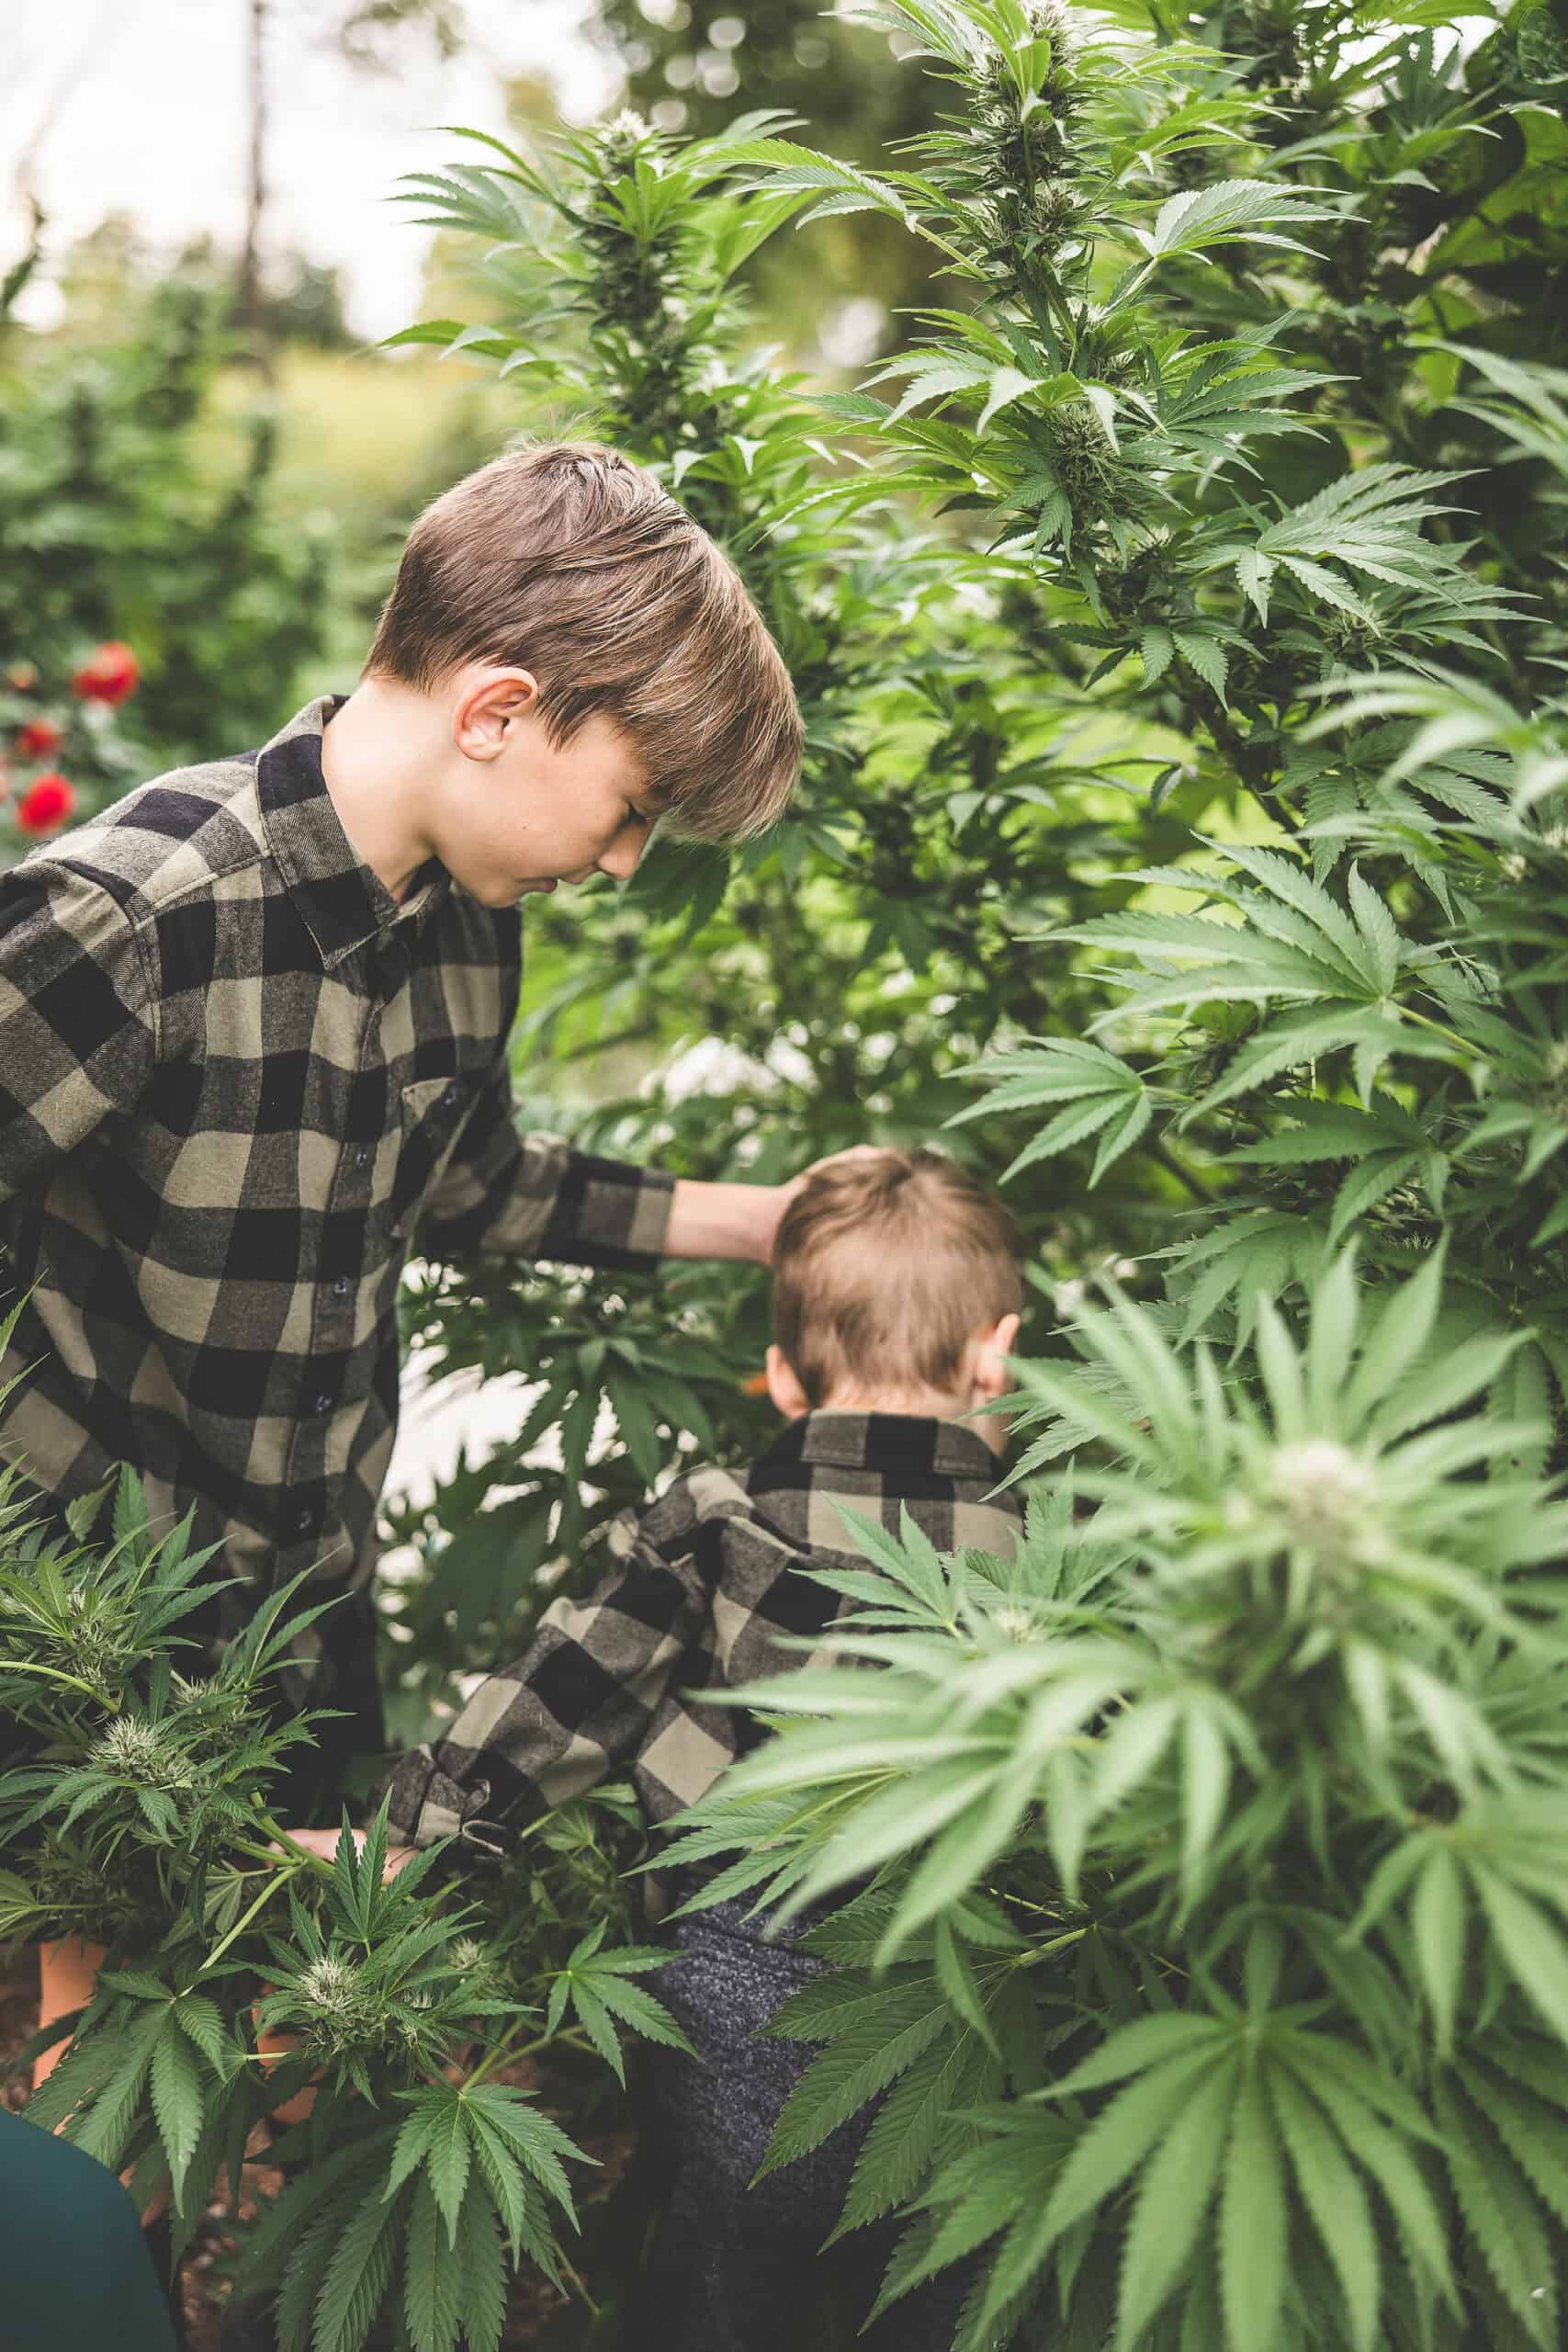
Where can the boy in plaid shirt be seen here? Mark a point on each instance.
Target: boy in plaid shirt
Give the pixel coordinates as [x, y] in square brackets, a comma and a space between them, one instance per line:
[896, 1290]
[254, 1025]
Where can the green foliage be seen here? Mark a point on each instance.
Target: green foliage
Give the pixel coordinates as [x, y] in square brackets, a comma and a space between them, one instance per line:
[1178, 627]
[1219, 1829]
[116, 526]
[242, 1969]
[1200, 808]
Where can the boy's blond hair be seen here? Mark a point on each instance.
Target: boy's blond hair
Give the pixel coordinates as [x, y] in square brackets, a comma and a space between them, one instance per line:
[884, 1268]
[569, 561]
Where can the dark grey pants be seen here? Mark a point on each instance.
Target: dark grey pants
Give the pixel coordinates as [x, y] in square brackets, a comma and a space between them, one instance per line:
[736, 2268]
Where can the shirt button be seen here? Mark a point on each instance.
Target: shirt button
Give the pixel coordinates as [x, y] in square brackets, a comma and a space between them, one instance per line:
[306, 1521]
[320, 1403]
[450, 1098]
[362, 1155]
[341, 1287]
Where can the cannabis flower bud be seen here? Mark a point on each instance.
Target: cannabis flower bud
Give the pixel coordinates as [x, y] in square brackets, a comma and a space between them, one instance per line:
[135, 1750]
[1049, 20]
[623, 136]
[1328, 1498]
[341, 2006]
[1018, 1623]
[1552, 1094]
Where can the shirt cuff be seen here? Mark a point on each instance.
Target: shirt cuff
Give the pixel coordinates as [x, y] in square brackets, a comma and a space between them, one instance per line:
[426, 1806]
[607, 1212]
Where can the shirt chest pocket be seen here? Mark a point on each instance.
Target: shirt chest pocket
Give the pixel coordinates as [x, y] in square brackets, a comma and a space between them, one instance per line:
[433, 1113]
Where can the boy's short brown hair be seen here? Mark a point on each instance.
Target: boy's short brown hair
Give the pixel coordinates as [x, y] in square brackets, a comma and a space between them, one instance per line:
[884, 1268]
[571, 561]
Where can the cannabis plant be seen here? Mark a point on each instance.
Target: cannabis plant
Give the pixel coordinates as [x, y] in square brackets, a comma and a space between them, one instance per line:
[1251, 436]
[825, 962]
[1213, 1964]
[241, 1972]
[1215, 1953]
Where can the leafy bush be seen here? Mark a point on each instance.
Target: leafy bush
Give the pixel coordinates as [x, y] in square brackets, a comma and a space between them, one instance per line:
[418, 2179]
[1215, 1831]
[117, 527]
[1219, 1829]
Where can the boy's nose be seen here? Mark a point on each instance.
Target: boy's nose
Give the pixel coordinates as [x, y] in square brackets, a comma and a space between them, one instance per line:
[620, 859]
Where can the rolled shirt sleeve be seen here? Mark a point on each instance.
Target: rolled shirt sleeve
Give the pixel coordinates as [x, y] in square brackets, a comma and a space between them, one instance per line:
[570, 1713]
[506, 1194]
[78, 1018]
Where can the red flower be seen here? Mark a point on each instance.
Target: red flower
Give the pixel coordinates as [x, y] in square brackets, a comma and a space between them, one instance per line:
[38, 738]
[108, 675]
[49, 803]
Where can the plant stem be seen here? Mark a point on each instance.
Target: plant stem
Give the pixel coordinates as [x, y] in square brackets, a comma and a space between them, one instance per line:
[73, 1682]
[577, 2281]
[275, 1829]
[278, 1879]
[1174, 1167]
[1450, 1037]
[504, 2049]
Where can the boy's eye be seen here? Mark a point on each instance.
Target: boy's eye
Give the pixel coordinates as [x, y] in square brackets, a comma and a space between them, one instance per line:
[637, 816]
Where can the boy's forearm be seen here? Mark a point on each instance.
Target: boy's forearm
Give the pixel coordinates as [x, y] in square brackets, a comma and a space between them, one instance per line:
[738, 1220]
[724, 1220]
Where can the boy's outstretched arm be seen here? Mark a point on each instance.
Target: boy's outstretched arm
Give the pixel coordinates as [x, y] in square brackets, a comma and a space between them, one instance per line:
[506, 1194]
[568, 1714]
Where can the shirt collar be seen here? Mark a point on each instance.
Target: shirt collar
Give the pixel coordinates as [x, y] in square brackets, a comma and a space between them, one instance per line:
[342, 903]
[901, 1446]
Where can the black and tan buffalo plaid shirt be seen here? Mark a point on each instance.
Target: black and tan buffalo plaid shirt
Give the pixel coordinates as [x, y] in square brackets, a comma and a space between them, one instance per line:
[708, 1576]
[239, 1081]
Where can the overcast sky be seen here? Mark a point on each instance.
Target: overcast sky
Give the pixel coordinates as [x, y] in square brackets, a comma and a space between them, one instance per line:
[142, 110]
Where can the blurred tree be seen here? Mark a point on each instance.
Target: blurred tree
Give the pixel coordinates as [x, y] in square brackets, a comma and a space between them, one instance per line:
[692, 65]
[308, 307]
[118, 525]
[364, 32]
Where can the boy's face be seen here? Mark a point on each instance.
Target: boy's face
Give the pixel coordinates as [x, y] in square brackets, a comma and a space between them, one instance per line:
[518, 813]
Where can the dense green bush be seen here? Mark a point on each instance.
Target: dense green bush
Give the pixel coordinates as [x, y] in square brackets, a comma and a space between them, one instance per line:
[116, 526]
[418, 2180]
[1236, 1789]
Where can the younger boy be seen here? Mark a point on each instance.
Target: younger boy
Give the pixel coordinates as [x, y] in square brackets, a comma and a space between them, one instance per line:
[896, 1303]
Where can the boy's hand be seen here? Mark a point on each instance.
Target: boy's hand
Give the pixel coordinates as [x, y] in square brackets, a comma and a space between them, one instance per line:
[324, 1843]
[740, 1220]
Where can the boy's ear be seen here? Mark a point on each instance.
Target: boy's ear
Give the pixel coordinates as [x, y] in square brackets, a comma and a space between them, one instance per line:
[992, 1377]
[487, 699]
[789, 1398]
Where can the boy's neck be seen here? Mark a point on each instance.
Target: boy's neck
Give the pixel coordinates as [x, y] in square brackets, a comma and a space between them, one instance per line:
[921, 1404]
[378, 755]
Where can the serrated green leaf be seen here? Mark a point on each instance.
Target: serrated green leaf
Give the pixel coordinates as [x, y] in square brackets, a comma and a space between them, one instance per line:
[482, 2270]
[178, 2101]
[431, 2276]
[1337, 2200]
[1252, 2224]
[1173, 2197]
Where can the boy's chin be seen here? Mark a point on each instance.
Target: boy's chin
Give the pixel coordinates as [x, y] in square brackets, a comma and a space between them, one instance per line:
[493, 891]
